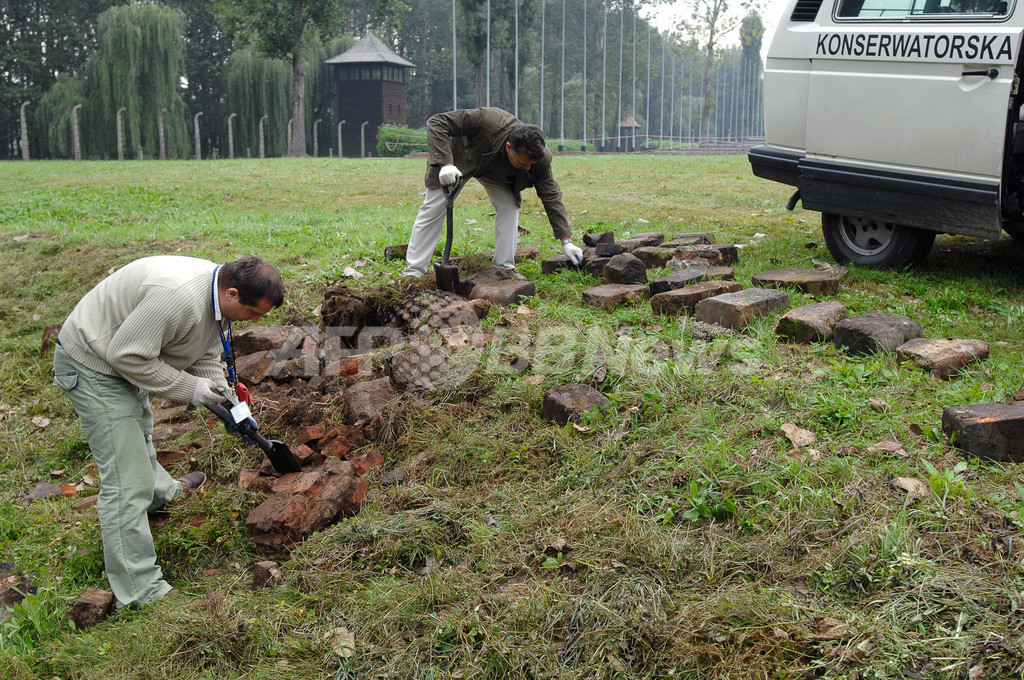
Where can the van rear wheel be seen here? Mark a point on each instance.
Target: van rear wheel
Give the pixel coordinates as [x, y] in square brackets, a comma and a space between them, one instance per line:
[872, 243]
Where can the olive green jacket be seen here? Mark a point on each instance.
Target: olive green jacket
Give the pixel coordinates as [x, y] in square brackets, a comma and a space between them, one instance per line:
[474, 140]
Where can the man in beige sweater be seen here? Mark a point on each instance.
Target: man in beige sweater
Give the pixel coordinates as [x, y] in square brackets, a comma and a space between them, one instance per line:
[155, 326]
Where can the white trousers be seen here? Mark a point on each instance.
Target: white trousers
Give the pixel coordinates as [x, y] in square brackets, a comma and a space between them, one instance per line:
[426, 230]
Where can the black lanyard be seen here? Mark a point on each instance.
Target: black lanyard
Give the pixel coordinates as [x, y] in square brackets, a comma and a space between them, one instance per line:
[225, 341]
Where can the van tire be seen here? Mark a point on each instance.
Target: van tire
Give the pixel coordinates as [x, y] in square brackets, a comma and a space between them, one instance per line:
[871, 243]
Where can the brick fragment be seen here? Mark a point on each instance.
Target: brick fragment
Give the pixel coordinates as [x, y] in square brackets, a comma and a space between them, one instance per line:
[611, 294]
[942, 357]
[91, 608]
[811, 323]
[811, 281]
[992, 431]
[737, 310]
[874, 332]
[685, 300]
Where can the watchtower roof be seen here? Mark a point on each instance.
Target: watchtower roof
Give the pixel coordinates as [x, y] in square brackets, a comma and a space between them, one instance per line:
[369, 50]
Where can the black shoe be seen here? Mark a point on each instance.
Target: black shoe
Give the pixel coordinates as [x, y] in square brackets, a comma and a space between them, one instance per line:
[193, 481]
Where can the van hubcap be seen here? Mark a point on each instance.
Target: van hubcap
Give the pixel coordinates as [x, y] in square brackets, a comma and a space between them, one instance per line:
[866, 236]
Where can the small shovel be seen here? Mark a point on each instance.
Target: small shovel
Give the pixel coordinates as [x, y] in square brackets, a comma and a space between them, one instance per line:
[278, 453]
[447, 275]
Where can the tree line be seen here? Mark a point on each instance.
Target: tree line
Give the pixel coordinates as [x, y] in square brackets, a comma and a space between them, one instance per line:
[140, 79]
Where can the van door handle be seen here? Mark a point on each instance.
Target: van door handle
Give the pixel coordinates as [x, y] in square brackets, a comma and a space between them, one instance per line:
[991, 73]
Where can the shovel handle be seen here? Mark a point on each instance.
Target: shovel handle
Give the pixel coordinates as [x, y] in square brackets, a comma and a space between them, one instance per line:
[449, 199]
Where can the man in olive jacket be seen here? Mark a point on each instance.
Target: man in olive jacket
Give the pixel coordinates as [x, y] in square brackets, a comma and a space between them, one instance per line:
[506, 156]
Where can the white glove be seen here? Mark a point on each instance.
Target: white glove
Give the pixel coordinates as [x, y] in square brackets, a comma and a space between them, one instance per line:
[208, 393]
[449, 176]
[573, 252]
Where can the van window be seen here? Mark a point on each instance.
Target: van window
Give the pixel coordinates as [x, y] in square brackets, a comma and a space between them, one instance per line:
[921, 9]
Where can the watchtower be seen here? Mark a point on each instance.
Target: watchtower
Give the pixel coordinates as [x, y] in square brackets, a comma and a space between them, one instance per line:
[371, 90]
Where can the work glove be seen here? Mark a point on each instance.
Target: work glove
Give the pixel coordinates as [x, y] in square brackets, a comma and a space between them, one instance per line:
[207, 393]
[573, 252]
[233, 428]
[449, 176]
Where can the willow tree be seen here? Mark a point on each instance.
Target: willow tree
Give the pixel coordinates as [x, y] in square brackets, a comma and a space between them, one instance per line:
[282, 29]
[138, 65]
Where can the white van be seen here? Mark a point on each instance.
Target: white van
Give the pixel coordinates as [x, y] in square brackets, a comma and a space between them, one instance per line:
[897, 120]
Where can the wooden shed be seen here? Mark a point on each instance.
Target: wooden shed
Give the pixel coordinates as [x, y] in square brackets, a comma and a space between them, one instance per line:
[371, 92]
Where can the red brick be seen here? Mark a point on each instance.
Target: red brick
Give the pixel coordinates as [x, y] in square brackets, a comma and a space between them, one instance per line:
[311, 433]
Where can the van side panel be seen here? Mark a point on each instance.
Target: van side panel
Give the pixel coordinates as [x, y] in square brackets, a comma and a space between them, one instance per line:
[787, 74]
[912, 112]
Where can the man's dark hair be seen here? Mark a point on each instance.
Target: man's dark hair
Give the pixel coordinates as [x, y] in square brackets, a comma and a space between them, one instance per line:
[529, 140]
[254, 278]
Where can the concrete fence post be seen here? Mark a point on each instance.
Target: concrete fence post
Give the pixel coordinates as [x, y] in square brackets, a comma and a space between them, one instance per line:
[262, 148]
[74, 132]
[231, 136]
[160, 134]
[120, 137]
[199, 143]
[24, 133]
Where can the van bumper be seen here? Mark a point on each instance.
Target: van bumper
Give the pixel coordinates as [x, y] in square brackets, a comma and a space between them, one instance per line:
[944, 204]
[778, 165]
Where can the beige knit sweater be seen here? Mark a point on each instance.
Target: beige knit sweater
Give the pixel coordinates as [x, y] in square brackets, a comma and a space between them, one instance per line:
[150, 322]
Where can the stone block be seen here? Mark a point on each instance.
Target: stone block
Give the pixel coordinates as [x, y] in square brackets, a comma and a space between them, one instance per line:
[252, 369]
[689, 239]
[690, 276]
[653, 238]
[346, 367]
[553, 264]
[654, 256]
[737, 310]
[989, 431]
[569, 402]
[874, 332]
[713, 253]
[811, 323]
[91, 608]
[811, 281]
[608, 250]
[307, 347]
[279, 339]
[504, 293]
[396, 251]
[684, 300]
[488, 275]
[593, 239]
[624, 269]
[941, 357]
[364, 401]
[301, 367]
[611, 294]
[595, 265]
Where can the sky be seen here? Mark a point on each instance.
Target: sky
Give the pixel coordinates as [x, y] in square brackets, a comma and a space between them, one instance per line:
[667, 16]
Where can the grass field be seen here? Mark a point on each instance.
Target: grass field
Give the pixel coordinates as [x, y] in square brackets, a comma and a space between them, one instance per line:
[679, 536]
